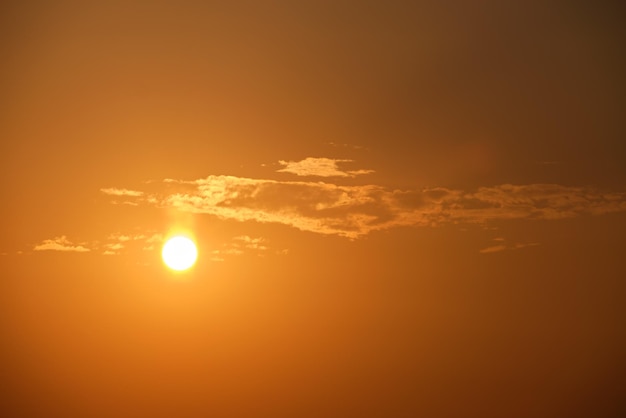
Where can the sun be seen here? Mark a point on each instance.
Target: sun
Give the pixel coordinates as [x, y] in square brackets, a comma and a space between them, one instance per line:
[179, 253]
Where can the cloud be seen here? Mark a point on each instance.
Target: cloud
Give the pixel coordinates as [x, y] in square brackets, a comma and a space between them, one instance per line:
[59, 244]
[354, 211]
[536, 201]
[145, 241]
[120, 237]
[120, 242]
[121, 192]
[153, 238]
[320, 167]
[524, 245]
[317, 207]
[124, 241]
[344, 145]
[116, 202]
[116, 246]
[252, 243]
[493, 249]
[240, 245]
[502, 246]
[248, 239]
[228, 251]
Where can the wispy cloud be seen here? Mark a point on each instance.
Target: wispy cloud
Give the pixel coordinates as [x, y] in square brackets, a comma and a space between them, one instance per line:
[253, 243]
[116, 246]
[502, 246]
[344, 145]
[59, 244]
[120, 237]
[320, 167]
[524, 245]
[242, 244]
[125, 238]
[353, 211]
[493, 249]
[121, 192]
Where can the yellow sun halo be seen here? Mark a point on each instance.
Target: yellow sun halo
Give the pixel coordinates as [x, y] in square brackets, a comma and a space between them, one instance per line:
[179, 253]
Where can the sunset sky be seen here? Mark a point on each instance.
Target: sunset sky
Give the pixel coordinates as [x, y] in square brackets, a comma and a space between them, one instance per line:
[401, 209]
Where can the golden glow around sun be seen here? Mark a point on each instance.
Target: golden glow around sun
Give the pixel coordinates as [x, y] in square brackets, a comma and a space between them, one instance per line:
[179, 253]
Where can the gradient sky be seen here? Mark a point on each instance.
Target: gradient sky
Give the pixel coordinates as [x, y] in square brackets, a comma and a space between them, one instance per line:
[401, 208]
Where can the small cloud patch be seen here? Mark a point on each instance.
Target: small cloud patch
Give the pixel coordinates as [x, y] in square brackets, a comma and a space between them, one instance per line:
[502, 246]
[493, 249]
[113, 191]
[320, 167]
[243, 244]
[60, 244]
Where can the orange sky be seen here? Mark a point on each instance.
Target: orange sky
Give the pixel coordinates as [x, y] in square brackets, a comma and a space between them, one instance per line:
[401, 208]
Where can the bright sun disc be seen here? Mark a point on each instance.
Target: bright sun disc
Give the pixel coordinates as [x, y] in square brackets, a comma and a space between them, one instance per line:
[179, 253]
